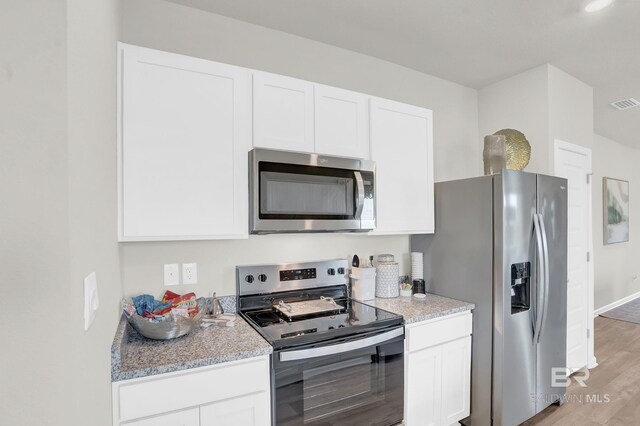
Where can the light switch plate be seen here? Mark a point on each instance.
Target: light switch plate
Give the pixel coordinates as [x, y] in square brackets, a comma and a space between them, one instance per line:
[189, 273]
[91, 302]
[171, 274]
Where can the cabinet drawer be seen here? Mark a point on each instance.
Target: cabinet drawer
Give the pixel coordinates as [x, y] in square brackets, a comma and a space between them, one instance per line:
[175, 391]
[190, 417]
[435, 332]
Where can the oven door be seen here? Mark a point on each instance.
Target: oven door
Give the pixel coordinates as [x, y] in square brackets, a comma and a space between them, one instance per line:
[356, 381]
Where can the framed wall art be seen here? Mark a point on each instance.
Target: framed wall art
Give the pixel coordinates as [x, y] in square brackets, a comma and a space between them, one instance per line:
[616, 210]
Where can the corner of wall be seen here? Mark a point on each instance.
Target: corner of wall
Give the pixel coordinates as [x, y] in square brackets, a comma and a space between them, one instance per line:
[519, 102]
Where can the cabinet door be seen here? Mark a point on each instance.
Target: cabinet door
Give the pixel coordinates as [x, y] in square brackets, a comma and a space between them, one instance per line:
[188, 417]
[248, 410]
[402, 147]
[184, 134]
[282, 113]
[456, 370]
[423, 395]
[341, 122]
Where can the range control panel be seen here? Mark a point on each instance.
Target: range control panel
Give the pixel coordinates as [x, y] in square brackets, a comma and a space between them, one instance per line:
[298, 274]
[262, 279]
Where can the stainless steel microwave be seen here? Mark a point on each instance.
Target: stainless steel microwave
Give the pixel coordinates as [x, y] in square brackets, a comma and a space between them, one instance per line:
[297, 192]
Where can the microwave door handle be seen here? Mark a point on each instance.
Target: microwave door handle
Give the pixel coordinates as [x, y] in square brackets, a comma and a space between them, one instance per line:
[341, 347]
[359, 194]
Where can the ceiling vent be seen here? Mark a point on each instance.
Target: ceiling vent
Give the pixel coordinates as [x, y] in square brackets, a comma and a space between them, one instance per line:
[625, 104]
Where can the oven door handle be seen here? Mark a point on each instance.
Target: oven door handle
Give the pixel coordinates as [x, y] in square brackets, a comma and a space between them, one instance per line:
[341, 347]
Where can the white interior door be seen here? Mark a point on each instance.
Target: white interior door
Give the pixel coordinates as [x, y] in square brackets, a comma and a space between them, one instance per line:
[573, 162]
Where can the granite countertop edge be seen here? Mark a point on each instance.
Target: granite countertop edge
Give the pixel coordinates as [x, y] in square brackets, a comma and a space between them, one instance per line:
[162, 369]
[419, 318]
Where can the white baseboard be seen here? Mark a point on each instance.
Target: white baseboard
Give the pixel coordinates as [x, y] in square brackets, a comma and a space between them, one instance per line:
[616, 304]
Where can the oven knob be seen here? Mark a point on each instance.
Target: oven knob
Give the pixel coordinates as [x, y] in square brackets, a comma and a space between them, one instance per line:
[331, 271]
[340, 271]
[249, 279]
[262, 278]
[341, 326]
[331, 327]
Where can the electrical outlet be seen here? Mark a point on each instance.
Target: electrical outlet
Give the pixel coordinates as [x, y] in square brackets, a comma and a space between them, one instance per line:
[171, 274]
[189, 273]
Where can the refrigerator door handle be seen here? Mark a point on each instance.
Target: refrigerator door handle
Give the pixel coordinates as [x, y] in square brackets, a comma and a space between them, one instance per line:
[545, 249]
[539, 280]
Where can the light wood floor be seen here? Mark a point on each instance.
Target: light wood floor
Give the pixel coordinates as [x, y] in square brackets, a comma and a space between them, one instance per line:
[617, 348]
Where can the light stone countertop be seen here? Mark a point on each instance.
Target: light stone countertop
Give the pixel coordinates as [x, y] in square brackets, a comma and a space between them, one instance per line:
[416, 310]
[133, 355]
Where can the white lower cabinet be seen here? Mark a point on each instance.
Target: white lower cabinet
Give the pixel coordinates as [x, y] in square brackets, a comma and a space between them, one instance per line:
[189, 417]
[437, 373]
[236, 392]
[248, 410]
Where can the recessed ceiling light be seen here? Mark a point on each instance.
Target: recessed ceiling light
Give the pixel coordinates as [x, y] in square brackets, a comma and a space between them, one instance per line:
[597, 5]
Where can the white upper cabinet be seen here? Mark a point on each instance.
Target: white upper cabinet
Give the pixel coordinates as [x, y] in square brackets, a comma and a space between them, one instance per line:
[185, 126]
[341, 122]
[184, 133]
[297, 115]
[402, 147]
[282, 113]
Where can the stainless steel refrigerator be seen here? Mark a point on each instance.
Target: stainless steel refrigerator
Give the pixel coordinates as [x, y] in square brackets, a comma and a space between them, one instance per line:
[501, 243]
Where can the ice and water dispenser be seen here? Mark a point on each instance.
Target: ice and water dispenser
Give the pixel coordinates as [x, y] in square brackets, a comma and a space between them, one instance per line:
[520, 287]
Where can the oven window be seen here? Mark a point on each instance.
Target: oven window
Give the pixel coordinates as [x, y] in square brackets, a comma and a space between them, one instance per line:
[365, 386]
[304, 192]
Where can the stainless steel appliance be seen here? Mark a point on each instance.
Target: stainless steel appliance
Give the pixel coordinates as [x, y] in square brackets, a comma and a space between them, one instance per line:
[296, 192]
[336, 361]
[501, 243]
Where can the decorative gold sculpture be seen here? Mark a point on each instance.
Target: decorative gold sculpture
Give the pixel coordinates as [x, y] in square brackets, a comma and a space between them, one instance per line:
[517, 147]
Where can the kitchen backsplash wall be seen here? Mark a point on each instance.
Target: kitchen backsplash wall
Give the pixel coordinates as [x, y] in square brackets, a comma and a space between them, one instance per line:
[142, 263]
[176, 28]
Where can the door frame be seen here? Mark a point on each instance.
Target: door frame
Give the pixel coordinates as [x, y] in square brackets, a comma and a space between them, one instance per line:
[560, 145]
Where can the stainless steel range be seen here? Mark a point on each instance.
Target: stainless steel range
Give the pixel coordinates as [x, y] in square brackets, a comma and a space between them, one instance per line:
[336, 361]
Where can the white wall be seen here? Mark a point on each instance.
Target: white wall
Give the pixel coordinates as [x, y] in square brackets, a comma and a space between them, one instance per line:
[175, 28]
[57, 220]
[545, 103]
[520, 102]
[34, 217]
[617, 266]
[570, 111]
[92, 29]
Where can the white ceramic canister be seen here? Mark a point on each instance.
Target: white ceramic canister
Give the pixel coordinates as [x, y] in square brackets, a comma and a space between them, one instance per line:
[363, 283]
[387, 276]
